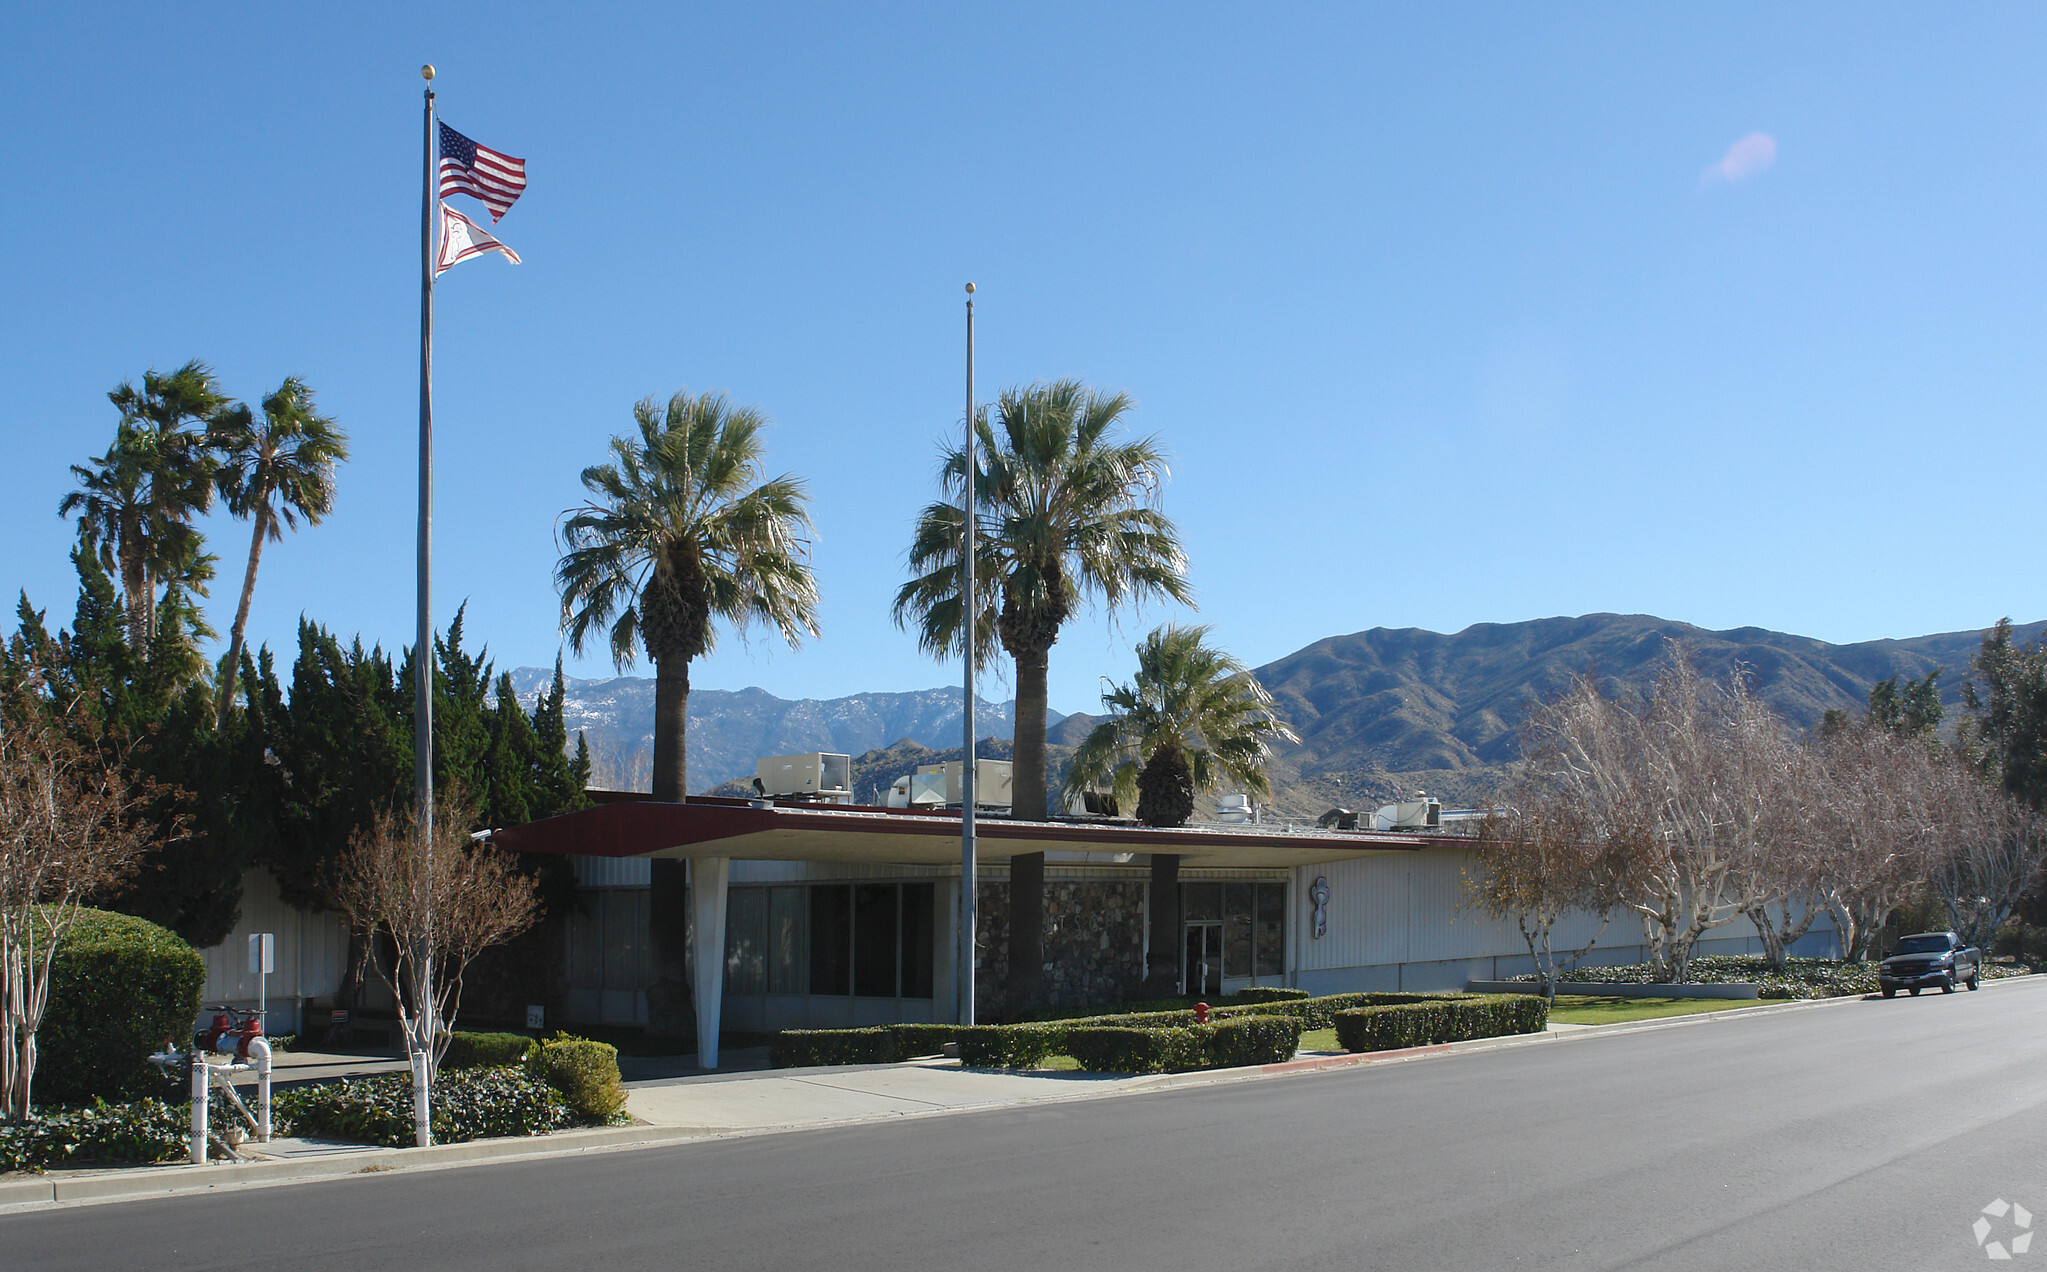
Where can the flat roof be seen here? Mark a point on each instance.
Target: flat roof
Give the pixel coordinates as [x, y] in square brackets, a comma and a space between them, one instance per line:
[623, 825]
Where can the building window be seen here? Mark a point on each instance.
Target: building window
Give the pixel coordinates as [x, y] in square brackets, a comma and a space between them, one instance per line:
[831, 939]
[1271, 925]
[1244, 925]
[876, 940]
[788, 943]
[873, 940]
[608, 940]
[746, 941]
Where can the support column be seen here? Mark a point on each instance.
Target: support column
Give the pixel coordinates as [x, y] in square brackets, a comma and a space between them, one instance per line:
[1162, 969]
[709, 875]
[1026, 932]
[668, 941]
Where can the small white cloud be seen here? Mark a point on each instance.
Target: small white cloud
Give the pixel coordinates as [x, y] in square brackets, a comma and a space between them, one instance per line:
[1751, 156]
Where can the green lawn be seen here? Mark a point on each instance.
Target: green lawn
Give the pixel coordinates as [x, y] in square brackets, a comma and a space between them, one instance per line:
[1578, 1009]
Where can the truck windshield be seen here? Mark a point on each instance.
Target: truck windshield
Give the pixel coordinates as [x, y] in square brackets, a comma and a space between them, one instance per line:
[1923, 945]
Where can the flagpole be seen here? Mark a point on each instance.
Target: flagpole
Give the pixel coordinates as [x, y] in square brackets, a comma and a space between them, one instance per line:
[423, 650]
[970, 615]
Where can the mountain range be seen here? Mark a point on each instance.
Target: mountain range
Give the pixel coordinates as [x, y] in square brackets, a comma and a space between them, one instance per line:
[1379, 712]
[729, 730]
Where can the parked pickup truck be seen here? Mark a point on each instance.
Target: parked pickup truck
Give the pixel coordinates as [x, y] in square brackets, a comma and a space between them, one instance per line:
[1926, 959]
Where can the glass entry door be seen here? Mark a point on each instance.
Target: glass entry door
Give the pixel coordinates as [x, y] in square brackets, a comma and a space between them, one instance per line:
[1201, 962]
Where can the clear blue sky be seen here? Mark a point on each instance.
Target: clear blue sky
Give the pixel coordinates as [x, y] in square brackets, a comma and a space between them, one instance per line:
[1447, 314]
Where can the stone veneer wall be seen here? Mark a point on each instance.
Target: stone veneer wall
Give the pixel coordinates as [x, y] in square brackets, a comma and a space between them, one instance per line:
[1094, 943]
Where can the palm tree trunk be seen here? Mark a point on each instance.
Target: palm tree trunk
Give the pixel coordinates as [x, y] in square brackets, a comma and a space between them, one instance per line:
[1027, 791]
[1026, 985]
[1027, 802]
[670, 1008]
[233, 668]
[1162, 967]
[671, 729]
[135, 596]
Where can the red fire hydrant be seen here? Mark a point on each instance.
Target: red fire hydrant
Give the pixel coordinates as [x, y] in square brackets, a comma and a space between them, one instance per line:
[1201, 1013]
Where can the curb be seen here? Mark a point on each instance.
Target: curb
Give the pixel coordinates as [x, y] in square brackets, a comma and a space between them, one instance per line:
[137, 1183]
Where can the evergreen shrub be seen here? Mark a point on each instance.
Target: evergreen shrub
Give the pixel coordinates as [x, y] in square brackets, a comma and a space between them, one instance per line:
[585, 1072]
[484, 1050]
[808, 1048]
[1007, 1046]
[141, 1131]
[1392, 1026]
[467, 1104]
[120, 987]
[1267, 994]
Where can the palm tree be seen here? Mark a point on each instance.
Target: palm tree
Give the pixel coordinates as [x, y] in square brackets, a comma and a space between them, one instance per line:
[1193, 718]
[137, 501]
[1066, 511]
[273, 474]
[683, 531]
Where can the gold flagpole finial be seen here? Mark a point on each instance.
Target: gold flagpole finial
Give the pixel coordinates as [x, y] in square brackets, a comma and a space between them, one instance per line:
[427, 72]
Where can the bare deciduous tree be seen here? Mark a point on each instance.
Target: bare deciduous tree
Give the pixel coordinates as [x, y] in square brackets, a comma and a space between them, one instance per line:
[1870, 815]
[1993, 849]
[68, 828]
[1685, 782]
[441, 902]
[1541, 864]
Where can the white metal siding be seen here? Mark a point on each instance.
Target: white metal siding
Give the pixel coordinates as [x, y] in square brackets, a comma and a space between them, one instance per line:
[312, 954]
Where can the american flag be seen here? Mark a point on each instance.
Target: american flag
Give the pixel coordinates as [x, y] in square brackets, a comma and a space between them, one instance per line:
[467, 168]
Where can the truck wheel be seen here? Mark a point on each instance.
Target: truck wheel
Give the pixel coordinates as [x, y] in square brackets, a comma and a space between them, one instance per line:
[1975, 980]
[1914, 991]
[1948, 986]
[1889, 992]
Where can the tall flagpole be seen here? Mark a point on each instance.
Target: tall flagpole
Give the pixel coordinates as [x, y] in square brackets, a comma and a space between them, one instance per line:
[971, 614]
[423, 650]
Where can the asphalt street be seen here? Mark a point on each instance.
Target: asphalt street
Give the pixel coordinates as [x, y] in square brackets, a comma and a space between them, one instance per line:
[1854, 1135]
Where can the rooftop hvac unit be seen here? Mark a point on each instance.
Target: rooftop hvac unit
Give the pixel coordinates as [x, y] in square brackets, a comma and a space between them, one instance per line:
[813, 775]
[991, 782]
[1419, 813]
[1233, 808]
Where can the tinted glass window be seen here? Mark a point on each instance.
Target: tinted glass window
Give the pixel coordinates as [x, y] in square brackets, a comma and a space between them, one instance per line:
[1201, 901]
[918, 902]
[1271, 924]
[875, 924]
[746, 941]
[787, 926]
[831, 932]
[1237, 929]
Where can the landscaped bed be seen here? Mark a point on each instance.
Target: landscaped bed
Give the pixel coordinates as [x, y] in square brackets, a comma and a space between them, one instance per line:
[1261, 1027]
[1801, 978]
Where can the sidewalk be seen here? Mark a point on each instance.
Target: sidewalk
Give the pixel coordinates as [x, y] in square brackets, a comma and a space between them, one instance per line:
[695, 1104]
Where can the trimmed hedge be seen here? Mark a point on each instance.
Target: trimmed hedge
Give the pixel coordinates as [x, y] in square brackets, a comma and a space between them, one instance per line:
[584, 1072]
[119, 988]
[1008, 1046]
[1268, 994]
[1248, 1040]
[485, 1050]
[922, 1040]
[993, 1046]
[1132, 1049]
[1391, 1026]
[1228, 1044]
[808, 1048]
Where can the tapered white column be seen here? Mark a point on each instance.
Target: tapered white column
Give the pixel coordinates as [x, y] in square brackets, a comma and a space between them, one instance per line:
[707, 879]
